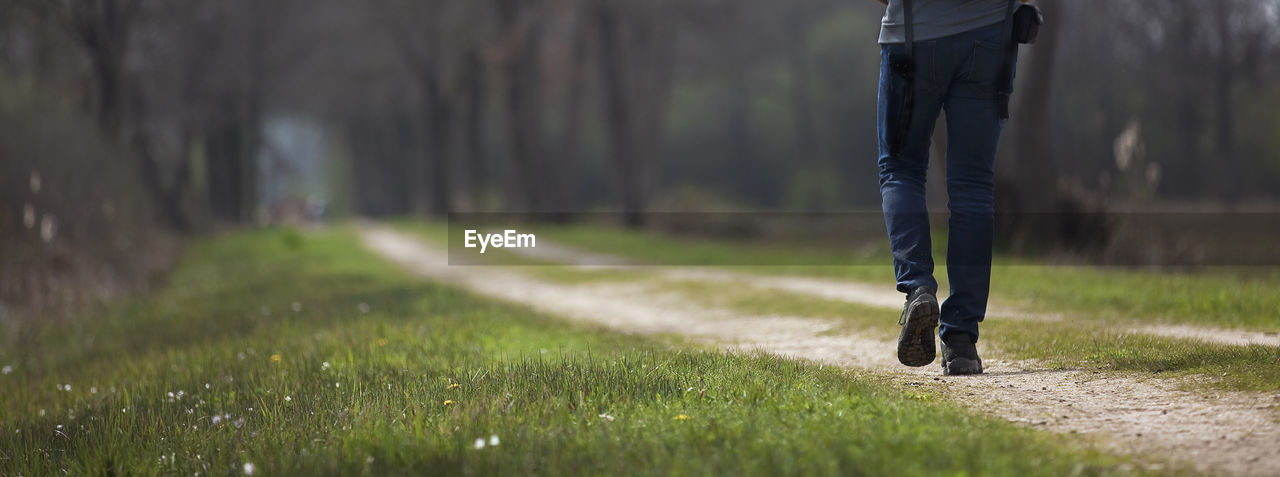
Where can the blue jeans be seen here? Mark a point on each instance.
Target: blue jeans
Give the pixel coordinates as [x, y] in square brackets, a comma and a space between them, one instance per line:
[956, 74]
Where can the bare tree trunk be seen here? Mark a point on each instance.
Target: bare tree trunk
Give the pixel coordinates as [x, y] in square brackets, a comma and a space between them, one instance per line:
[168, 197]
[522, 130]
[1224, 79]
[634, 57]
[618, 114]
[520, 90]
[103, 29]
[806, 140]
[107, 72]
[741, 147]
[223, 149]
[383, 179]
[1035, 170]
[1189, 120]
[253, 112]
[570, 137]
[473, 154]
[248, 168]
[438, 120]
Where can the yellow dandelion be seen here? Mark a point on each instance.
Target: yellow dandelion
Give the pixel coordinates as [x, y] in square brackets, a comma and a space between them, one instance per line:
[682, 417]
[449, 402]
[275, 358]
[454, 386]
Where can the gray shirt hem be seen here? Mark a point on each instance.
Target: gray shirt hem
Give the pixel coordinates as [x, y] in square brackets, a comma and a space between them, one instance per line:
[940, 18]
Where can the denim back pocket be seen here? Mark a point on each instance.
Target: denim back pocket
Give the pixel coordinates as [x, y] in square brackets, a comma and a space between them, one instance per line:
[984, 68]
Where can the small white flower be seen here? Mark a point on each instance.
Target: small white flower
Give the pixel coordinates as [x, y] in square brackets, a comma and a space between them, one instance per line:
[337, 385]
[606, 417]
[287, 399]
[363, 307]
[216, 419]
[206, 386]
[479, 443]
[239, 422]
[93, 390]
[324, 366]
[124, 410]
[170, 394]
[248, 468]
[66, 387]
[7, 369]
[493, 440]
[59, 426]
[42, 412]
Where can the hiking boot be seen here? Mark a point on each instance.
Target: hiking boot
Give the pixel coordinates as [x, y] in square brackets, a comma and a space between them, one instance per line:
[919, 318]
[960, 356]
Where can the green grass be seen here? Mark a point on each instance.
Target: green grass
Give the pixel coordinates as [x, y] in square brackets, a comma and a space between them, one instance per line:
[1066, 344]
[1227, 297]
[1099, 304]
[357, 379]
[766, 302]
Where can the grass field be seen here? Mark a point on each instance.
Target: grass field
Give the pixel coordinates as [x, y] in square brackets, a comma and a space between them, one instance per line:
[1237, 298]
[1099, 305]
[1063, 344]
[280, 352]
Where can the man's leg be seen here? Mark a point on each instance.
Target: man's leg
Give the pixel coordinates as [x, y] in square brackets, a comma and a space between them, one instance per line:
[973, 133]
[902, 177]
[902, 189]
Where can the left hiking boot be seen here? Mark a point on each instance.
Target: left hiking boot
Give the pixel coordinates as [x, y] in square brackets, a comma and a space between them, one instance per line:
[960, 356]
[919, 318]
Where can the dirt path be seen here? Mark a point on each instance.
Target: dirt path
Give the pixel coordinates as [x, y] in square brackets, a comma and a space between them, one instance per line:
[1232, 433]
[884, 296]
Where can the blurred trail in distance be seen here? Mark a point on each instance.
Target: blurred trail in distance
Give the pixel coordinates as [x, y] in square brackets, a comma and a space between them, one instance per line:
[1226, 432]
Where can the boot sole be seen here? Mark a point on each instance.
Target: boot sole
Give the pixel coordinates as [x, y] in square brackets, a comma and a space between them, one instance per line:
[915, 344]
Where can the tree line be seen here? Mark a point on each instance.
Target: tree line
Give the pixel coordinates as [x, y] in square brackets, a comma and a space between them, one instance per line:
[431, 106]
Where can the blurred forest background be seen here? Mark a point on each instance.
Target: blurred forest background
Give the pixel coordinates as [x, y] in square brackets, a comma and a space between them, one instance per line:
[126, 125]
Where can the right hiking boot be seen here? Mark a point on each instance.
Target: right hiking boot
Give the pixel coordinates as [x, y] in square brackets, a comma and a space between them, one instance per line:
[919, 318]
[960, 356]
